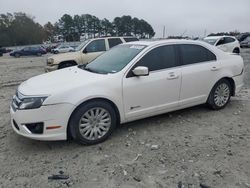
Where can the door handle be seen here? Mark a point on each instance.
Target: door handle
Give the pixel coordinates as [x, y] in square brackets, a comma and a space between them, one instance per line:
[172, 76]
[214, 68]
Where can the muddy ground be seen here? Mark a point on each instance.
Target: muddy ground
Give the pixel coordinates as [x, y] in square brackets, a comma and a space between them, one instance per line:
[195, 147]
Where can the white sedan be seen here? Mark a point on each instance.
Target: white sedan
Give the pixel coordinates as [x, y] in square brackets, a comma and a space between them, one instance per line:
[225, 43]
[62, 49]
[129, 82]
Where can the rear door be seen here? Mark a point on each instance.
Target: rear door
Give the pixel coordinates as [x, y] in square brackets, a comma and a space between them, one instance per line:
[199, 73]
[159, 91]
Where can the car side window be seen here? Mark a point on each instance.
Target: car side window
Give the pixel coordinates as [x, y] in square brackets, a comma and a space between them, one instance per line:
[131, 39]
[96, 46]
[114, 42]
[159, 58]
[221, 41]
[229, 40]
[191, 54]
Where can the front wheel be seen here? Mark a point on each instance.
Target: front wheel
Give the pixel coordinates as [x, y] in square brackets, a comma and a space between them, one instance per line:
[220, 95]
[17, 55]
[93, 122]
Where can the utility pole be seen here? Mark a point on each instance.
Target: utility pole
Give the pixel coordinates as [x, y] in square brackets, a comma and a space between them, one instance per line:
[205, 33]
[164, 31]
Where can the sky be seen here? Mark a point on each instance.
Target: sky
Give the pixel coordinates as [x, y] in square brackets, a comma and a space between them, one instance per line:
[180, 17]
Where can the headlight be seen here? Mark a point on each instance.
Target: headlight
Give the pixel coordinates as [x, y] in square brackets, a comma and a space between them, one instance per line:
[50, 61]
[31, 103]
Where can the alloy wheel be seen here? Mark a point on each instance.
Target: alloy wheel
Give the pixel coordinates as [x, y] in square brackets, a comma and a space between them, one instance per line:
[95, 123]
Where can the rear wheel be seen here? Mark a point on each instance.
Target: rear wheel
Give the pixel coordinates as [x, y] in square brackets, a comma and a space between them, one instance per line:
[38, 54]
[93, 122]
[236, 50]
[220, 95]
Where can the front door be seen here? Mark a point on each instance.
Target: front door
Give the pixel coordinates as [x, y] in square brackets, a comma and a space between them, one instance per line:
[159, 91]
[93, 50]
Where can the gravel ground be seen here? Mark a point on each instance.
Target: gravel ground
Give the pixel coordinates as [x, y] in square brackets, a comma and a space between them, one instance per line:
[191, 148]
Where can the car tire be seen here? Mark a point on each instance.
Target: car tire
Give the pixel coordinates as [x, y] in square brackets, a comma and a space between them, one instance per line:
[220, 95]
[17, 55]
[39, 54]
[56, 52]
[236, 50]
[93, 122]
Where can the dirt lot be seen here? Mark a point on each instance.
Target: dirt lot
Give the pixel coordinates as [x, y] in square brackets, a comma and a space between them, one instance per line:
[195, 147]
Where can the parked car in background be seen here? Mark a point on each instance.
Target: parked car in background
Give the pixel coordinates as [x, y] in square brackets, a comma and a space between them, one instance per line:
[245, 43]
[85, 52]
[1, 51]
[225, 43]
[4, 50]
[129, 82]
[28, 51]
[62, 49]
[50, 47]
[242, 36]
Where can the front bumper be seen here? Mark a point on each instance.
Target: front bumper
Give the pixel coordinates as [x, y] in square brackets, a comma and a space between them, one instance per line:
[51, 115]
[50, 68]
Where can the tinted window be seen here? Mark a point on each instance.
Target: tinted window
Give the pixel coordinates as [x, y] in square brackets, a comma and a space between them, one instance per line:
[195, 54]
[221, 41]
[96, 46]
[159, 58]
[229, 39]
[131, 39]
[114, 42]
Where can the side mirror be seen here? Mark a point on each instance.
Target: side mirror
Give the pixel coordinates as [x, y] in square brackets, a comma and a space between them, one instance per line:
[141, 71]
[84, 51]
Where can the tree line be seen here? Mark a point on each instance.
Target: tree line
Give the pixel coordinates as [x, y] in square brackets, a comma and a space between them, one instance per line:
[21, 29]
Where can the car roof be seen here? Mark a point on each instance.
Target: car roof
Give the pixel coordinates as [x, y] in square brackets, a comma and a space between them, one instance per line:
[218, 37]
[166, 41]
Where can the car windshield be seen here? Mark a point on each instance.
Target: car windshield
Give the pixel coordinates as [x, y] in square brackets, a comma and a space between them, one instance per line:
[210, 41]
[78, 48]
[114, 60]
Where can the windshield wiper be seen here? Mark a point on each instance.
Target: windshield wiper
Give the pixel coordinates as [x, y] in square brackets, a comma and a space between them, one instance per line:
[84, 67]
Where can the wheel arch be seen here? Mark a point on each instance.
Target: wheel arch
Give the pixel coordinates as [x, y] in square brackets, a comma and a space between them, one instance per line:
[117, 112]
[73, 62]
[230, 80]
[236, 50]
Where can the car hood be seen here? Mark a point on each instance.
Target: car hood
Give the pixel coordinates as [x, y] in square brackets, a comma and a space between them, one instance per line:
[59, 81]
[65, 56]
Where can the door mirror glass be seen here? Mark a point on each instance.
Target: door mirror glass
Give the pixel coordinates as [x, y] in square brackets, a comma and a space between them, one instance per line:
[141, 71]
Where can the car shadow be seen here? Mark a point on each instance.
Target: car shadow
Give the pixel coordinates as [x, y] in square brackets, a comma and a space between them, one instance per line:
[121, 131]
